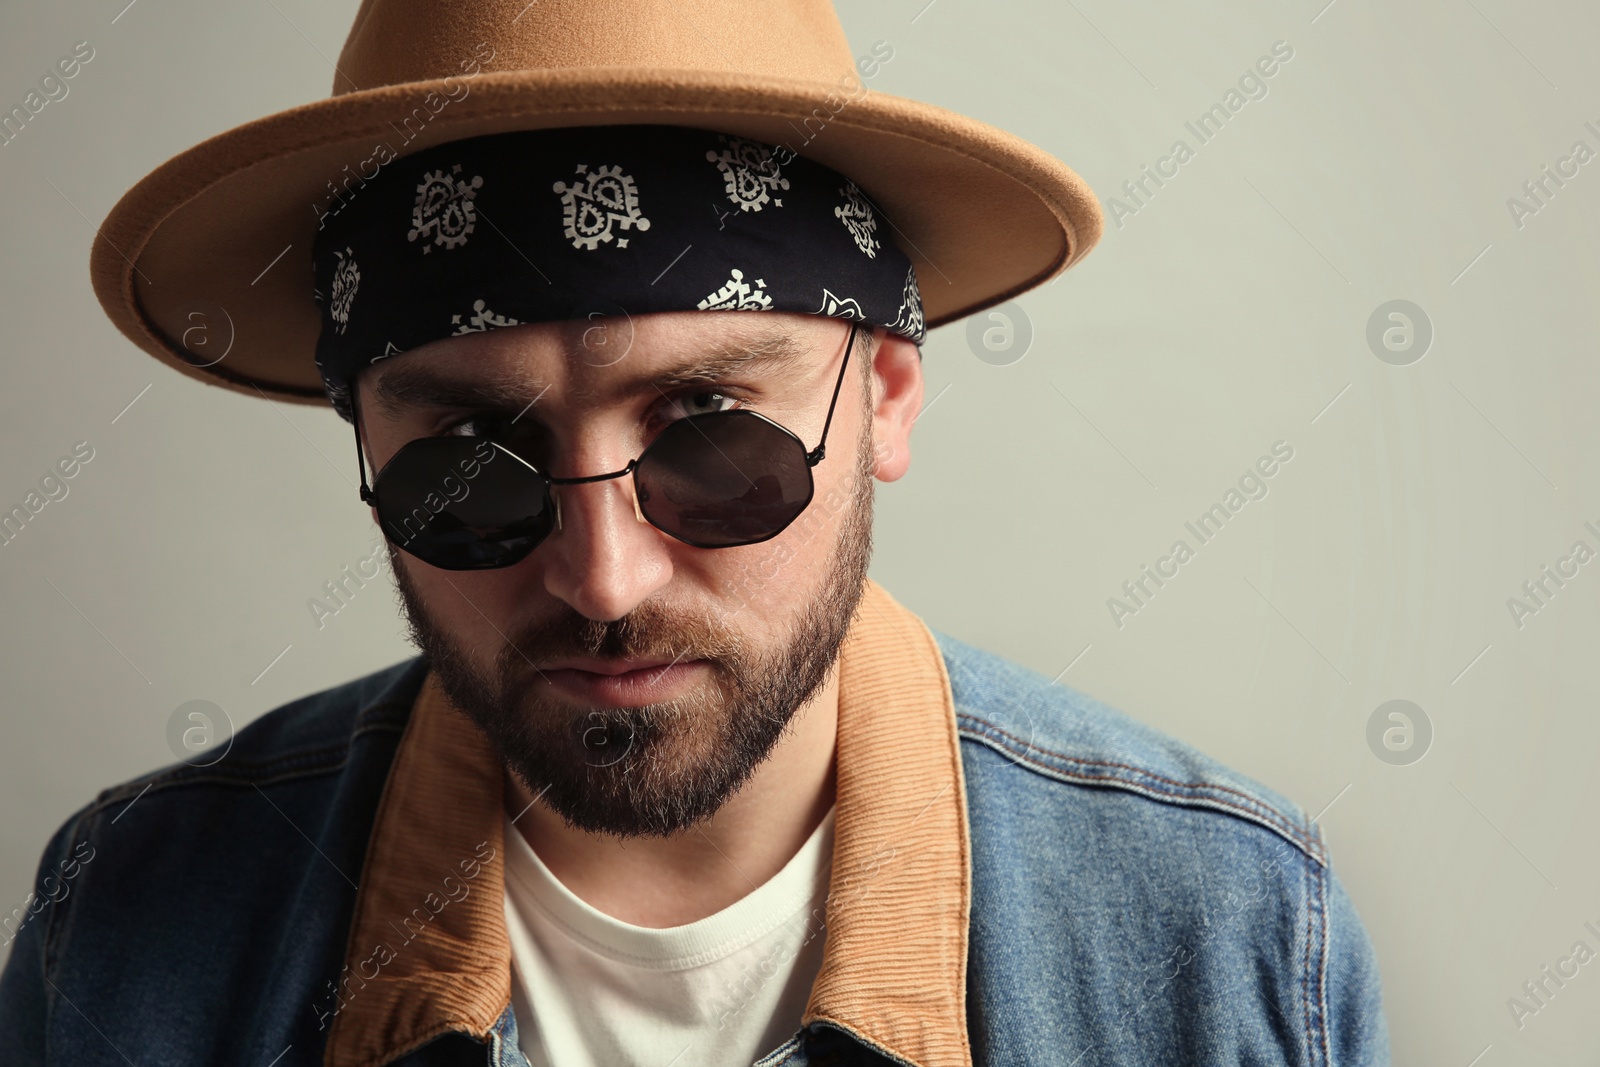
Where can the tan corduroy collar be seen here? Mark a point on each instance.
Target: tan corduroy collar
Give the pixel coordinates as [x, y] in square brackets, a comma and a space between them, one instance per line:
[429, 953]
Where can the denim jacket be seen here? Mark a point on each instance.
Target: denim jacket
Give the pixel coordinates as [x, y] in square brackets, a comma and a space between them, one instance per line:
[1021, 875]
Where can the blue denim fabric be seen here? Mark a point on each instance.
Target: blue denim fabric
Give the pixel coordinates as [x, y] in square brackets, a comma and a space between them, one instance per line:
[1133, 902]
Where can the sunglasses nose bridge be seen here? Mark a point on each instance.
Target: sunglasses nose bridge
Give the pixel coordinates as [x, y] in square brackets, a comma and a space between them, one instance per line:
[633, 489]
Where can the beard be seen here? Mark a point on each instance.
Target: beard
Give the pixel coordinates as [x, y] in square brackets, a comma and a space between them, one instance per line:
[661, 768]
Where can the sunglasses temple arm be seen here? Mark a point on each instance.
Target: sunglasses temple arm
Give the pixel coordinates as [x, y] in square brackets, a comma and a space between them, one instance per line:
[815, 455]
[361, 459]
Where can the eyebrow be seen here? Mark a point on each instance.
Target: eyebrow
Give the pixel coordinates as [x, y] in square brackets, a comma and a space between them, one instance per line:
[407, 386]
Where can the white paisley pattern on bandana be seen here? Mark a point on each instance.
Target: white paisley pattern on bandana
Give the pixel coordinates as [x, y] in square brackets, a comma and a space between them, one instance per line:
[346, 276]
[584, 222]
[737, 294]
[482, 319]
[590, 208]
[846, 307]
[750, 173]
[856, 214]
[444, 209]
[908, 320]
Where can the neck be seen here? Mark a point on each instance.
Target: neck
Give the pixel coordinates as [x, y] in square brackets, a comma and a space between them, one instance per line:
[660, 882]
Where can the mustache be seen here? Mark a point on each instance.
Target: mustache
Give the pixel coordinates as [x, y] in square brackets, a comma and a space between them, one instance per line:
[650, 631]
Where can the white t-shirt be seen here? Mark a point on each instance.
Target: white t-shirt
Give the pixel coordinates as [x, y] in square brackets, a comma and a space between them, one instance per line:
[593, 991]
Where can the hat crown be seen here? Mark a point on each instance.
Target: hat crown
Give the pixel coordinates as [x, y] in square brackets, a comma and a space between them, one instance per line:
[226, 228]
[396, 41]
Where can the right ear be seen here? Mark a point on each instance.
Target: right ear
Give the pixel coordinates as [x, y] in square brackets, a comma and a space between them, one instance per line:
[897, 387]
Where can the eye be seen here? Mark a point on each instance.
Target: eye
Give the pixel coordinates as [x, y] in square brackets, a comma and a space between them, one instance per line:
[695, 402]
[523, 436]
[493, 425]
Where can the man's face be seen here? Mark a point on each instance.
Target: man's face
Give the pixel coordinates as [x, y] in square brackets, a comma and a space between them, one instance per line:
[631, 681]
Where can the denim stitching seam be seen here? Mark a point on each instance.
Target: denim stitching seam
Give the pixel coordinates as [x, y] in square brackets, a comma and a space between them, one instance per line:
[1263, 808]
[267, 772]
[1322, 878]
[1252, 807]
[57, 926]
[1309, 893]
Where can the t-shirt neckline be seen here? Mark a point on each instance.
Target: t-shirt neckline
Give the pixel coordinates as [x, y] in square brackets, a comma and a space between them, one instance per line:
[778, 900]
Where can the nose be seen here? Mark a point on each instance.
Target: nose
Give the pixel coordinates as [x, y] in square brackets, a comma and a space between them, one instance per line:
[604, 559]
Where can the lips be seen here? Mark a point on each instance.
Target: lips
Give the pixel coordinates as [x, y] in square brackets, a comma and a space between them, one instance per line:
[623, 682]
[607, 666]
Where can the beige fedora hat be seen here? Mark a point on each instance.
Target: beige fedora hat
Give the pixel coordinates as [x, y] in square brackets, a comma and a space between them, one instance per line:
[206, 262]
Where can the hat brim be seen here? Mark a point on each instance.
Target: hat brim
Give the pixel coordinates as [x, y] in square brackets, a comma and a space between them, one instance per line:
[206, 262]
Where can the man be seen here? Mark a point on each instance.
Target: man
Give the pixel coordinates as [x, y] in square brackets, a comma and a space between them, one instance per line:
[673, 781]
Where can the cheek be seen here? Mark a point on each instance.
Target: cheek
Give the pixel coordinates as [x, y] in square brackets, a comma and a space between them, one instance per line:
[455, 603]
[778, 579]
[761, 587]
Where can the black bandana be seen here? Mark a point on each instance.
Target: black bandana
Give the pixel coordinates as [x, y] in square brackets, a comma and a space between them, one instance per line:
[544, 225]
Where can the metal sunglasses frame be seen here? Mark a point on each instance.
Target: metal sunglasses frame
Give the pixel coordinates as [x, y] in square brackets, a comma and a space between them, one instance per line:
[814, 456]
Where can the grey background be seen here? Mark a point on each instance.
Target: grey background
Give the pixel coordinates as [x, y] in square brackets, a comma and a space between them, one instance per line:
[1229, 313]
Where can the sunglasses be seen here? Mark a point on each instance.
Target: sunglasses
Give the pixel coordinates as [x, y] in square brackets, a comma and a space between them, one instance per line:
[717, 480]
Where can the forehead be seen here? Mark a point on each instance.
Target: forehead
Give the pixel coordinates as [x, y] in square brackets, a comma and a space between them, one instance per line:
[600, 357]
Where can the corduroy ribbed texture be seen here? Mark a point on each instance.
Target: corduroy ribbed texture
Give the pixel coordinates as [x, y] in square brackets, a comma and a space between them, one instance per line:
[449, 970]
[894, 965]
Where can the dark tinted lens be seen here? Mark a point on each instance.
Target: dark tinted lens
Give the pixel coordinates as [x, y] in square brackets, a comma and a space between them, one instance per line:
[462, 503]
[730, 478]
